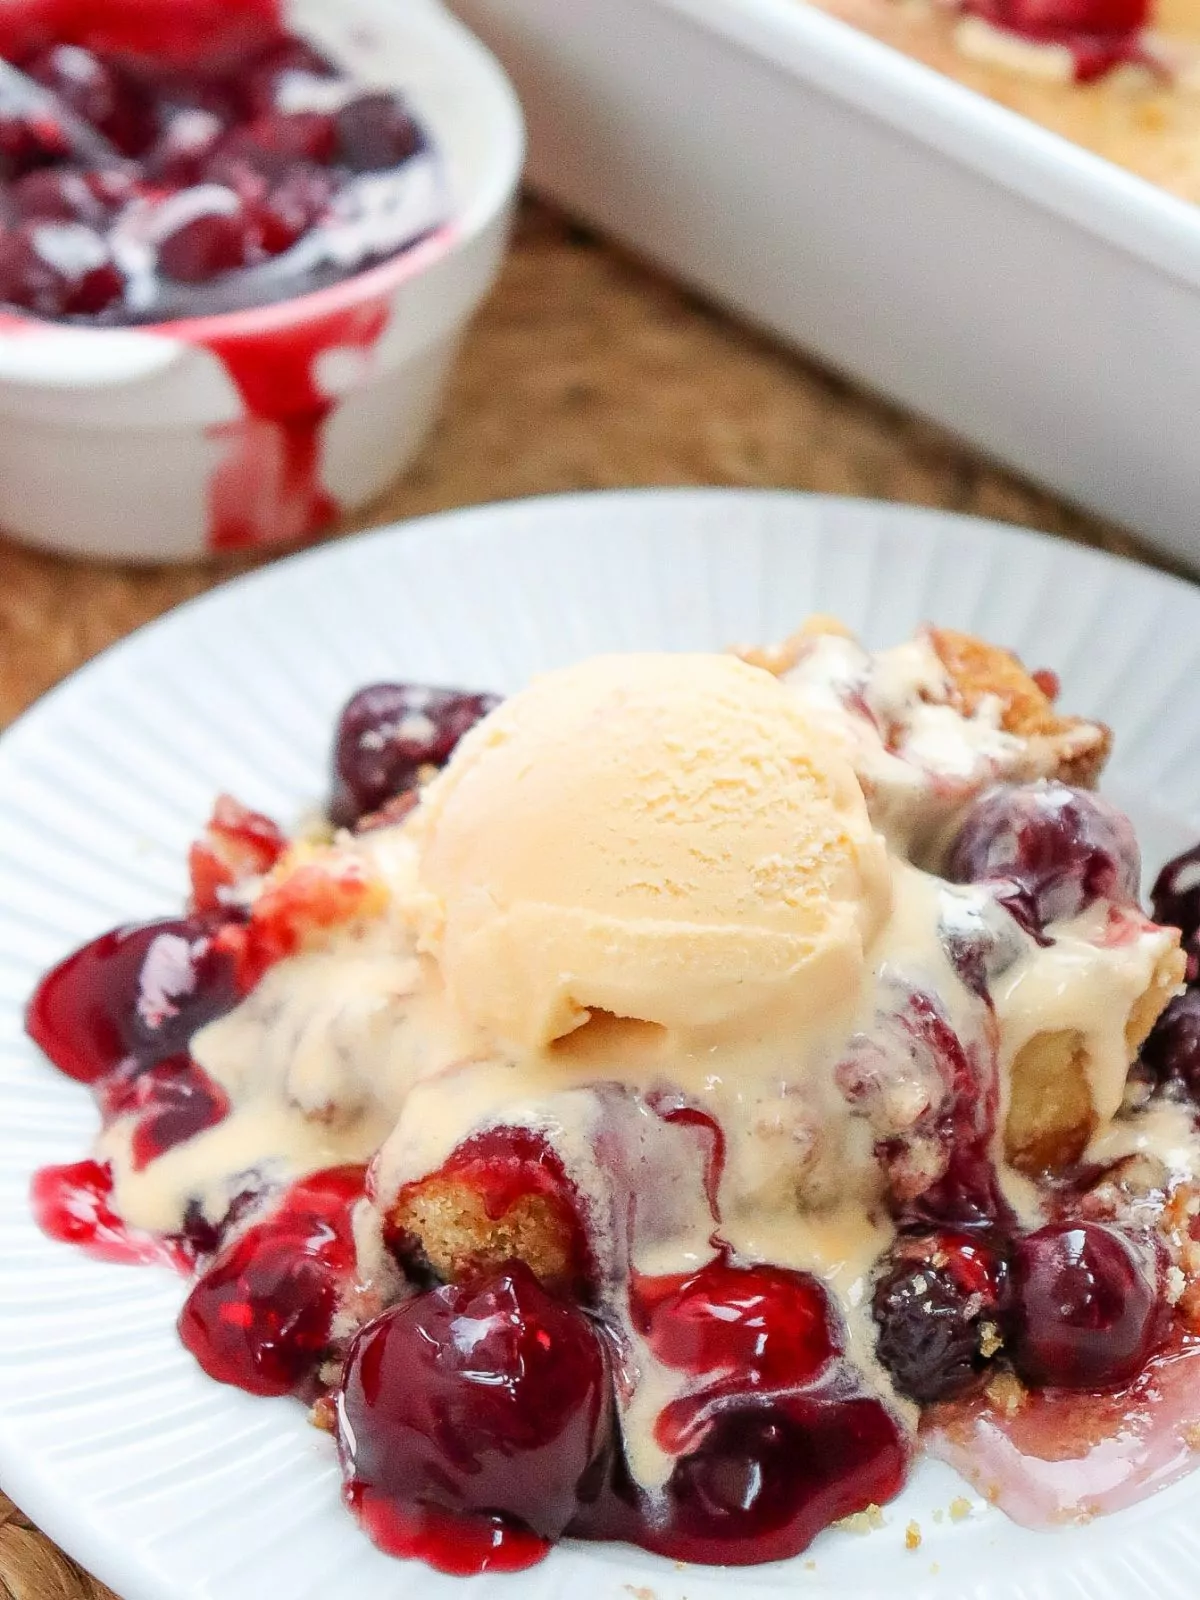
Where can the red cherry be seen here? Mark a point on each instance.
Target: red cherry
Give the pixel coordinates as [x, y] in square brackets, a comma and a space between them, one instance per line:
[261, 1316]
[140, 991]
[173, 1100]
[766, 1478]
[295, 204]
[764, 1327]
[29, 140]
[387, 732]
[276, 142]
[202, 233]
[1086, 1310]
[58, 269]
[375, 132]
[488, 1404]
[1066, 847]
[57, 194]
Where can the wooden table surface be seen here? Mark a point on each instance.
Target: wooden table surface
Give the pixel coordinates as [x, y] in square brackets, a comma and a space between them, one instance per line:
[585, 371]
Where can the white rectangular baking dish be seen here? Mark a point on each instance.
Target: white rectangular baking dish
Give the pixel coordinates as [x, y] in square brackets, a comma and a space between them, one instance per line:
[983, 271]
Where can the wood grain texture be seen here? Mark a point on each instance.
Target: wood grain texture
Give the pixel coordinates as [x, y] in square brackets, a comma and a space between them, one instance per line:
[585, 371]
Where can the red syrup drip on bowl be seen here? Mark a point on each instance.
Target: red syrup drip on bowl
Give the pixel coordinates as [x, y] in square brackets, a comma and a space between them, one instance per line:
[268, 488]
[73, 1204]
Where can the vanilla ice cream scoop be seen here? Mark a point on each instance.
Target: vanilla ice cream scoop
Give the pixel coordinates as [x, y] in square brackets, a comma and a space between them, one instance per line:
[664, 838]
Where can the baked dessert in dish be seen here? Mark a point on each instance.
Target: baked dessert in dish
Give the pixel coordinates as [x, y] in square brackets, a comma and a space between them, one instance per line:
[1119, 77]
[153, 169]
[656, 1106]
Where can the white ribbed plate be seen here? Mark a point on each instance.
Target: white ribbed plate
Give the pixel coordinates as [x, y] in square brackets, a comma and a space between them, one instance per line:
[168, 1486]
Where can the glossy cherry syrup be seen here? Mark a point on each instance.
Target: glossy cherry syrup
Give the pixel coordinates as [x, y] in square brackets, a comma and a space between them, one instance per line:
[474, 1421]
[1087, 1308]
[775, 1437]
[74, 1205]
[741, 1330]
[261, 1315]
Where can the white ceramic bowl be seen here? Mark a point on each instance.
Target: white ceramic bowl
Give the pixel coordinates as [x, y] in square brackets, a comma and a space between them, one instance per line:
[1025, 293]
[137, 443]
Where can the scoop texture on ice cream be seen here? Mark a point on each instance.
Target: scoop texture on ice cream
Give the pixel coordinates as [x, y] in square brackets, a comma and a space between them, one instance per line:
[664, 838]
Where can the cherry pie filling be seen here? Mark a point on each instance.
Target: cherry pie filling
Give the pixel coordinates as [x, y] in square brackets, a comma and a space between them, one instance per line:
[484, 1401]
[246, 166]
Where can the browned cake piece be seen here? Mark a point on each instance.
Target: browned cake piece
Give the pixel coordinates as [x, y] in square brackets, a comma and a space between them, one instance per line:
[501, 1196]
[1069, 748]
[1051, 1117]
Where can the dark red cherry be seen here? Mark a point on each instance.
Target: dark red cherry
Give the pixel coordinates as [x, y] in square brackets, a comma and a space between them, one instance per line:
[1175, 899]
[189, 138]
[98, 93]
[140, 991]
[276, 142]
[29, 140]
[375, 132]
[937, 1309]
[172, 1100]
[57, 194]
[1066, 847]
[1172, 1052]
[767, 1478]
[204, 232]
[294, 205]
[388, 732]
[489, 1402]
[1086, 1306]
[262, 1315]
[58, 269]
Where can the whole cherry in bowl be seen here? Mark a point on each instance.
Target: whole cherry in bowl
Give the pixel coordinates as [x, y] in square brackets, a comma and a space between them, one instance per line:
[228, 310]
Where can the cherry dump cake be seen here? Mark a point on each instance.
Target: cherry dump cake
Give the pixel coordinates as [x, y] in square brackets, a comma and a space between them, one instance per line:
[656, 1106]
[1119, 77]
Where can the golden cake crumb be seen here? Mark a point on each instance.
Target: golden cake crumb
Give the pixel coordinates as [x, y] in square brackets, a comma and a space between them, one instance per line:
[1005, 1393]
[912, 1536]
[960, 1508]
[865, 1521]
